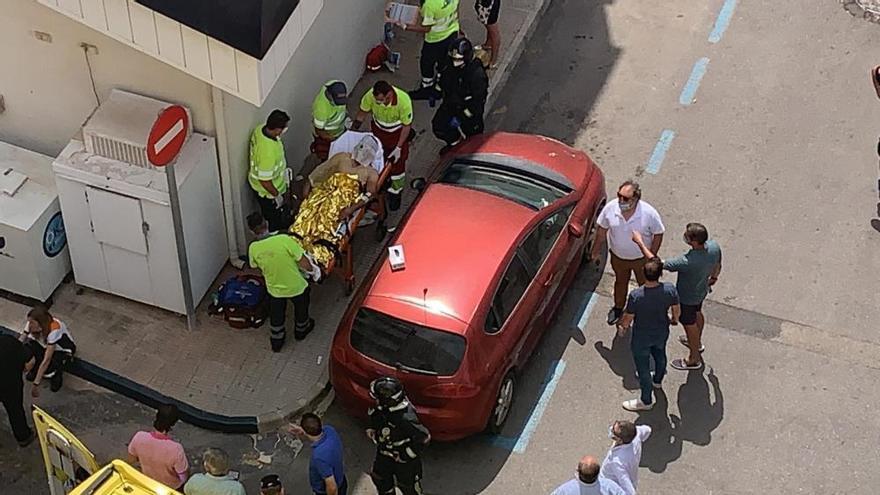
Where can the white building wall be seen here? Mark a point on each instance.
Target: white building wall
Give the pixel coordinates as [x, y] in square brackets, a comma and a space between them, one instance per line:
[334, 48]
[46, 86]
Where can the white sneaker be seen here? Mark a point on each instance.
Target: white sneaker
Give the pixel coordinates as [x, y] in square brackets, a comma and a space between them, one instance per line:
[636, 405]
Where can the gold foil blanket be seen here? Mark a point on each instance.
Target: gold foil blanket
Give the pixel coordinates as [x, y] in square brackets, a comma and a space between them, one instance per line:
[318, 217]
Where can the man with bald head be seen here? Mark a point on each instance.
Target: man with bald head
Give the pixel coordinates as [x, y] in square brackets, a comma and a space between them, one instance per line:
[588, 481]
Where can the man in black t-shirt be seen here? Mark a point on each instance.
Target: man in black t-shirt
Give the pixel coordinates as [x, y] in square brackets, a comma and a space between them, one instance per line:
[15, 359]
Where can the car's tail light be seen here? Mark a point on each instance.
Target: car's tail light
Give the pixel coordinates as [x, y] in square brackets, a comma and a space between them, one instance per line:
[451, 391]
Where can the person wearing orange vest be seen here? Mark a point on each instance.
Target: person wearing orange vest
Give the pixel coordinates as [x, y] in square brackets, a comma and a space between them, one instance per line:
[52, 346]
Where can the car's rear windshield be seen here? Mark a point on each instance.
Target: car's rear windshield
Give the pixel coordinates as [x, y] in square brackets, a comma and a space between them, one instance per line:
[526, 190]
[406, 346]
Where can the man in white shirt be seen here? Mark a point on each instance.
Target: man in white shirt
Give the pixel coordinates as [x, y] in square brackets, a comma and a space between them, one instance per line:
[616, 223]
[621, 465]
[588, 481]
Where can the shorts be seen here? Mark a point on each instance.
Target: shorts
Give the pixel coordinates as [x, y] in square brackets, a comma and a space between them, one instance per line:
[487, 11]
[689, 313]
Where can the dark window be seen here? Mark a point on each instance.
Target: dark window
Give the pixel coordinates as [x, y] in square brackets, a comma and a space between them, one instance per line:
[527, 190]
[406, 345]
[539, 242]
[511, 289]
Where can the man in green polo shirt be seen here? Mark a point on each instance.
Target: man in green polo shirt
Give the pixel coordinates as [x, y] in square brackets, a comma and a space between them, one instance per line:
[268, 170]
[392, 112]
[280, 257]
[438, 20]
[328, 116]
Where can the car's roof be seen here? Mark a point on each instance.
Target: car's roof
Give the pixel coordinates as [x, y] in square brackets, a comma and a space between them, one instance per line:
[453, 244]
[549, 153]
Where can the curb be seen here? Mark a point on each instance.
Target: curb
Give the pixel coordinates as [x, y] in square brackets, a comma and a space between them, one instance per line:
[510, 58]
[274, 420]
[151, 398]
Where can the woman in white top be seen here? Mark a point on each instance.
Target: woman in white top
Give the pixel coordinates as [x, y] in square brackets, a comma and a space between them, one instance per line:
[52, 345]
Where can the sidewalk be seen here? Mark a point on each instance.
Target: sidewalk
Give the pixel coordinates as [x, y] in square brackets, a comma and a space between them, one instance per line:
[232, 373]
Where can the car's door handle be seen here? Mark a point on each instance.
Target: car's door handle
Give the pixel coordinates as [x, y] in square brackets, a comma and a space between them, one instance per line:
[549, 281]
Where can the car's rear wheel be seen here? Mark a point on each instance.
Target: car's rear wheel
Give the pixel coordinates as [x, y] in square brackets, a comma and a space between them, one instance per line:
[503, 404]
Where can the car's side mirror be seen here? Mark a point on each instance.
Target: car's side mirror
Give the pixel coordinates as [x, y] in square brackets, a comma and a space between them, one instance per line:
[418, 184]
[576, 229]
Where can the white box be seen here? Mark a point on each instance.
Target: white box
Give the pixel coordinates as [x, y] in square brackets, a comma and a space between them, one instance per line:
[401, 12]
[34, 257]
[396, 258]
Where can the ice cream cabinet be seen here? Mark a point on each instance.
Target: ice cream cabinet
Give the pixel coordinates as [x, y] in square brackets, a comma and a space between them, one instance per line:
[117, 210]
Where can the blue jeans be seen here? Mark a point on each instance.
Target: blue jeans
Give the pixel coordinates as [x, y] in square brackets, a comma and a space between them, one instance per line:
[643, 351]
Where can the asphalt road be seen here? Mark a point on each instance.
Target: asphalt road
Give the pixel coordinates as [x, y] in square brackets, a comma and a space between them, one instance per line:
[774, 150]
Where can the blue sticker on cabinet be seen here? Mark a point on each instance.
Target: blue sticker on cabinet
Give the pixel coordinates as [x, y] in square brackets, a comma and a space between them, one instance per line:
[54, 239]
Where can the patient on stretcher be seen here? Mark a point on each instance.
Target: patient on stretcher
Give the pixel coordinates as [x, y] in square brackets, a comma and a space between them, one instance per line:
[336, 189]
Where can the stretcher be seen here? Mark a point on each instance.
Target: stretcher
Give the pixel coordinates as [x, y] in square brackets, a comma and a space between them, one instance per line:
[342, 263]
[346, 249]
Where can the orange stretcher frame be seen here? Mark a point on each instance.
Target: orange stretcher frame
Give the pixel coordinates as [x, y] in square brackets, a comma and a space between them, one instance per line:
[343, 264]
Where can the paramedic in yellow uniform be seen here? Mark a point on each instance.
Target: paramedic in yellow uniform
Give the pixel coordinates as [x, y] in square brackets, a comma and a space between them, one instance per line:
[279, 256]
[438, 20]
[392, 112]
[328, 116]
[268, 170]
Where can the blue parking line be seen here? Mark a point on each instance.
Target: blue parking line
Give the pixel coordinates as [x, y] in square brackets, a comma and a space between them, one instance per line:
[722, 21]
[689, 92]
[659, 154]
[519, 443]
[591, 301]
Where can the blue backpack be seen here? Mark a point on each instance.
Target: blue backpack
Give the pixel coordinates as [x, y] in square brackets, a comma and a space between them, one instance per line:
[243, 301]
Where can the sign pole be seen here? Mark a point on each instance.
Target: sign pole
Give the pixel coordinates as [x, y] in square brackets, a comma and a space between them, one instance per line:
[166, 139]
[182, 261]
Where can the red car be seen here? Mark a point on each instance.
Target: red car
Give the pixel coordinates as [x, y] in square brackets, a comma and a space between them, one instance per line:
[490, 247]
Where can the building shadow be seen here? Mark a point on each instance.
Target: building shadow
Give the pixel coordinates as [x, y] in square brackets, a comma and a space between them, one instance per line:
[700, 415]
[561, 73]
[619, 359]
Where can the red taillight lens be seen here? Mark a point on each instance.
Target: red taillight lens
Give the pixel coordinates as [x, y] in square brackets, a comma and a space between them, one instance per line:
[451, 391]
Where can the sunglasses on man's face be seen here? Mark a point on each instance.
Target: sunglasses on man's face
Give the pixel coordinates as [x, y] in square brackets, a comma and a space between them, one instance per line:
[621, 197]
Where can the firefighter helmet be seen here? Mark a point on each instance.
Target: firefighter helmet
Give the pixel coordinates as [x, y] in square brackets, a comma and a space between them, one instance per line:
[462, 50]
[387, 391]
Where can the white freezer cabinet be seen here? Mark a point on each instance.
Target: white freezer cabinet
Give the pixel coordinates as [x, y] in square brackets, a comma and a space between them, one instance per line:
[120, 227]
[33, 247]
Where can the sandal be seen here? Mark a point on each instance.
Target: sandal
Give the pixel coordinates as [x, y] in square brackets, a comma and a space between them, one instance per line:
[683, 365]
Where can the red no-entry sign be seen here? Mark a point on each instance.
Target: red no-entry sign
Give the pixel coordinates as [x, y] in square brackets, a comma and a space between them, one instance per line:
[167, 135]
